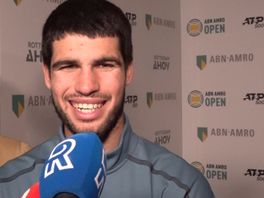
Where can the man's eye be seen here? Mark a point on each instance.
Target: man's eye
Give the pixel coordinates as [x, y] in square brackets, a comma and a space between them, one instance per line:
[67, 67]
[107, 65]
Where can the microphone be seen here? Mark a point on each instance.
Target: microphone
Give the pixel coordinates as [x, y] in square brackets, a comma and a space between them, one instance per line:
[75, 168]
[32, 192]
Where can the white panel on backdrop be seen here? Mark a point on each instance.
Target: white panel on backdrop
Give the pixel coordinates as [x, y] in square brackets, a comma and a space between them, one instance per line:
[222, 76]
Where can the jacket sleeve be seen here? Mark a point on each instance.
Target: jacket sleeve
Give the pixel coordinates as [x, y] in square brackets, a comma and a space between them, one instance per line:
[199, 189]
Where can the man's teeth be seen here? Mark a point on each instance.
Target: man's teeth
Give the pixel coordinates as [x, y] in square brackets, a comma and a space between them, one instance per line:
[87, 107]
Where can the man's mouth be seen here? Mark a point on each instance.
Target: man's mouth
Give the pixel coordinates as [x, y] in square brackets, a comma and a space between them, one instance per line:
[87, 108]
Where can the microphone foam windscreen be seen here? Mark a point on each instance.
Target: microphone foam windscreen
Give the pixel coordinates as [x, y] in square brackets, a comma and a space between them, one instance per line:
[75, 166]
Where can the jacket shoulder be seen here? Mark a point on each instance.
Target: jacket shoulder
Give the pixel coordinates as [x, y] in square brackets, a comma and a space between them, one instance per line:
[27, 161]
[175, 170]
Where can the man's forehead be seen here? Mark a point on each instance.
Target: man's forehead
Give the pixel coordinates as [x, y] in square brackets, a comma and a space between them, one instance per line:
[75, 45]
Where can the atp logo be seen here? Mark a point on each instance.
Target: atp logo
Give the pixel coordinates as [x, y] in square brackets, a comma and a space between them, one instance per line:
[59, 157]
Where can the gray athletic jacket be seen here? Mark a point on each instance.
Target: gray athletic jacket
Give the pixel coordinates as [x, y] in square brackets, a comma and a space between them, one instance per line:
[136, 169]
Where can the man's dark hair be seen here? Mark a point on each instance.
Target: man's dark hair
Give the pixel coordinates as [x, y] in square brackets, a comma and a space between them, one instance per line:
[92, 18]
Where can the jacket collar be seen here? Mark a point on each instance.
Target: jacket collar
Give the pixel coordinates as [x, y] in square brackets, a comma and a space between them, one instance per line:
[117, 156]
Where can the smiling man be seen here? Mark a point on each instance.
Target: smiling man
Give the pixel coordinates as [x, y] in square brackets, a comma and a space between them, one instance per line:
[87, 78]
[87, 53]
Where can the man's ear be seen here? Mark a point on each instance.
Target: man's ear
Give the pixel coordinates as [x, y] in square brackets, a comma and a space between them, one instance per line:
[46, 73]
[129, 73]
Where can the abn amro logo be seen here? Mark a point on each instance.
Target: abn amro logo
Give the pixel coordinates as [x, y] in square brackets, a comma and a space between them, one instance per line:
[202, 133]
[18, 104]
[17, 2]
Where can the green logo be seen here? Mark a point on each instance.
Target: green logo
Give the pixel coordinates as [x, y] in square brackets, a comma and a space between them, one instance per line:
[149, 99]
[148, 21]
[17, 2]
[18, 104]
[202, 133]
[201, 61]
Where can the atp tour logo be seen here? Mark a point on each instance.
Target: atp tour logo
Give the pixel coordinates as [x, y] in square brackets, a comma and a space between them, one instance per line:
[258, 98]
[132, 17]
[257, 173]
[59, 157]
[131, 99]
[256, 21]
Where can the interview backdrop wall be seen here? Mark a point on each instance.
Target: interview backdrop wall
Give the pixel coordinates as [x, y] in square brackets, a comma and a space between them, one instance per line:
[222, 93]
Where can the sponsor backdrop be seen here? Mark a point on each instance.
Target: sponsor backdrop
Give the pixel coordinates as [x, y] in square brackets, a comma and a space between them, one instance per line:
[222, 93]
[197, 87]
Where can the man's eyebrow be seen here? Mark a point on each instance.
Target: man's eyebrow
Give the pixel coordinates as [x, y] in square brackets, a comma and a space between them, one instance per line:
[98, 61]
[63, 62]
[103, 60]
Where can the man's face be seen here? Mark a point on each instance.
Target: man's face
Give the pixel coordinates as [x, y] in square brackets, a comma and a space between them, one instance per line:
[87, 79]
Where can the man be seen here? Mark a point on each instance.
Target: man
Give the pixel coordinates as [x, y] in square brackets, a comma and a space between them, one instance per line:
[87, 53]
[11, 148]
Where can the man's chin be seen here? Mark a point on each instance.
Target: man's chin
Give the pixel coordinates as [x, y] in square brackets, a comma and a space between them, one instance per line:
[83, 130]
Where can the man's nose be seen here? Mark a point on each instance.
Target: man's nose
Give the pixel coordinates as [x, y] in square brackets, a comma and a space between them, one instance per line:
[87, 81]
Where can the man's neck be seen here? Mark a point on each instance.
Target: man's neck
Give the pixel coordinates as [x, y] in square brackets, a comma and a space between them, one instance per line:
[113, 139]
